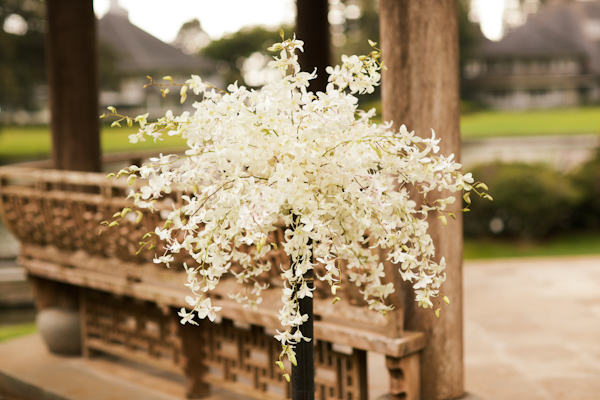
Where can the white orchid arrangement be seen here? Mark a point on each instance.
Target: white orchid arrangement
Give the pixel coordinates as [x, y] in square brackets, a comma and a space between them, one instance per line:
[342, 184]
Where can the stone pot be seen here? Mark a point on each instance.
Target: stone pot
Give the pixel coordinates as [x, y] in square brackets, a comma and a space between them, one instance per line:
[61, 330]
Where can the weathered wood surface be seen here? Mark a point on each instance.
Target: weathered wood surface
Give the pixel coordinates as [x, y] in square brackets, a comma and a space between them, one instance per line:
[419, 39]
[161, 286]
[71, 59]
[56, 215]
[313, 28]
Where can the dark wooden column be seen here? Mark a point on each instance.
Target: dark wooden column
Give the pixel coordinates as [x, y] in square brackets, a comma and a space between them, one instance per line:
[419, 39]
[312, 27]
[73, 84]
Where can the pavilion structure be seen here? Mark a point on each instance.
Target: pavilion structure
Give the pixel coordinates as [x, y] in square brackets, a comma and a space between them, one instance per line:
[127, 304]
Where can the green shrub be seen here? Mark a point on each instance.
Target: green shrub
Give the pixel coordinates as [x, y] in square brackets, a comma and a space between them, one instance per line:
[587, 180]
[530, 201]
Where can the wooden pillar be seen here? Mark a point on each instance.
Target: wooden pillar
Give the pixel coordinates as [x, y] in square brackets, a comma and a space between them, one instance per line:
[312, 27]
[73, 84]
[419, 39]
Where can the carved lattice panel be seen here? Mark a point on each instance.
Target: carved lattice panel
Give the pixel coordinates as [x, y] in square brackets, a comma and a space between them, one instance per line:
[243, 357]
[246, 357]
[132, 329]
[339, 374]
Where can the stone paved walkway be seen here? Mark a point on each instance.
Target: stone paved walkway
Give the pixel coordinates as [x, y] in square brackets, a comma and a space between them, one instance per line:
[532, 329]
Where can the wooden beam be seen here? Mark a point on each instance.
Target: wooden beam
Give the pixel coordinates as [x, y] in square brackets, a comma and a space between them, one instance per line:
[73, 84]
[312, 27]
[419, 39]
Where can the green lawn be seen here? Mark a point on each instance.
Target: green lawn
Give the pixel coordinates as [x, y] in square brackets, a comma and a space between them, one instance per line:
[573, 244]
[483, 124]
[13, 331]
[33, 142]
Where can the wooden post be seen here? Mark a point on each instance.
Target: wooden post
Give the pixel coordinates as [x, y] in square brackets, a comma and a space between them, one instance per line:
[73, 84]
[419, 39]
[313, 28]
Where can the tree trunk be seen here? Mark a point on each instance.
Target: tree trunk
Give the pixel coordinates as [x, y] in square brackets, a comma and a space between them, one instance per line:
[313, 28]
[73, 84]
[421, 90]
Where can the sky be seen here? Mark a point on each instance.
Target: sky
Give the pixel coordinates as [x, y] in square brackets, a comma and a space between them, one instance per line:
[489, 13]
[164, 18]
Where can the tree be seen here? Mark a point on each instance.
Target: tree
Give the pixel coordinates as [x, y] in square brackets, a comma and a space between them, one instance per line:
[353, 23]
[238, 47]
[22, 47]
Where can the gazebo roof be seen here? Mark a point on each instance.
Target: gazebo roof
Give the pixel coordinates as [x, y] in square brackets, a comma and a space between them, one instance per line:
[138, 51]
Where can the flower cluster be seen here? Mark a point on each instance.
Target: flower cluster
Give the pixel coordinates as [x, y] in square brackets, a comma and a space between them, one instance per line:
[342, 184]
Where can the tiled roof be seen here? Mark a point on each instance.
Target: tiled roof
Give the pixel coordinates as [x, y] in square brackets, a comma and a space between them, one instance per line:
[140, 52]
[558, 29]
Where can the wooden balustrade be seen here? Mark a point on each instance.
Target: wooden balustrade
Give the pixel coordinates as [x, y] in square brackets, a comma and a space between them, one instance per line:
[128, 304]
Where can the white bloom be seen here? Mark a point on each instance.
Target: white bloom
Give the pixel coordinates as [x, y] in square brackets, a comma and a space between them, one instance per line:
[315, 162]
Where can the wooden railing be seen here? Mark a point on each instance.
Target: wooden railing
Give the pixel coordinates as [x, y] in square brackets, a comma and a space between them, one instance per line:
[128, 304]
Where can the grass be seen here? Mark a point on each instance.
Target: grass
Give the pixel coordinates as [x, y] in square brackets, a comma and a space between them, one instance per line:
[13, 331]
[574, 244]
[485, 124]
[33, 142]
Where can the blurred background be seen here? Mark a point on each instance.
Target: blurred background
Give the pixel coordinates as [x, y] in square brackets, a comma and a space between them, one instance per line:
[530, 103]
[530, 95]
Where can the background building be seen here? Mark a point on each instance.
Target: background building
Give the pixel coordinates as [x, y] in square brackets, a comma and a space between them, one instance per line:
[553, 60]
[128, 54]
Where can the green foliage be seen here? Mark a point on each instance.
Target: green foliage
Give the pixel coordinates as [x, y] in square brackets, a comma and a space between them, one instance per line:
[469, 34]
[19, 143]
[22, 66]
[108, 58]
[530, 201]
[587, 179]
[355, 31]
[231, 50]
